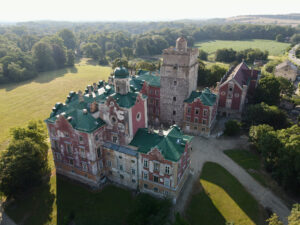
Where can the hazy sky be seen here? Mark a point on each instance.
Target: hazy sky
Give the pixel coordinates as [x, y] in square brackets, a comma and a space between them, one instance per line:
[133, 10]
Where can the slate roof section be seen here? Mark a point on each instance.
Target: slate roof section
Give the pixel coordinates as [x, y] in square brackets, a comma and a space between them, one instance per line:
[171, 146]
[206, 96]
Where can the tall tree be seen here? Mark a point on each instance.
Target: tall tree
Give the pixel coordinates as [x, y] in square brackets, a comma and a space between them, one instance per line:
[69, 38]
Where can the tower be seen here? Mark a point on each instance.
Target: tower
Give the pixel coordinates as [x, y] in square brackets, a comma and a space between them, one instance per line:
[179, 73]
[121, 80]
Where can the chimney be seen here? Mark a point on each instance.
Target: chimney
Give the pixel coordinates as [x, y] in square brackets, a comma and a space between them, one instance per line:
[149, 129]
[95, 87]
[90, 89]
[80, 96]
[160, 131]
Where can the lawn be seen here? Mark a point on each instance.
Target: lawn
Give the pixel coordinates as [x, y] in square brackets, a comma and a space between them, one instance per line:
[275, 48]
[249, 161]
[223, 199]
[34, 99]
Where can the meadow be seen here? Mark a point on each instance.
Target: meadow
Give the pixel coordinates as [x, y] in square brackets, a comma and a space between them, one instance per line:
[34, 99]
[273, 47]
[219, 198]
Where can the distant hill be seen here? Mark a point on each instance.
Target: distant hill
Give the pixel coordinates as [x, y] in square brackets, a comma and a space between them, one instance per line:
[286, 19]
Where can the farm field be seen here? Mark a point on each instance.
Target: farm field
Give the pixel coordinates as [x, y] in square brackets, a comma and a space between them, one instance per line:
[34, 99]
[220, 198]
[275, 48]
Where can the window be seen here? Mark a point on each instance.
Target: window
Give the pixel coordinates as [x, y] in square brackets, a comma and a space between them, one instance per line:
[109, 163]
[188, 118]
[167, 182]
[53, 132]
[58, 156]
[133, 171]
[155, 189]
[175, 82]
[80, 139]
[196, 120]
[115, 139]
[71, 162]
[66, 134]
[120, 157]
[156, 92]
[167, 170]
[121, 176]
[146, 163]
[69, 149]
[155, 179]
[145, 175]
[84, 167]
[151, 91]
[133, 181]
[133, 161]
[98, 152]
[96, 137]
[189, 110]
[152, 101]
[174, 99]
[205, 112]
[138, 116]
[230, 89]
[121, 167]
[204, 121]
[195, 128]
[197, 111]
[82, 152]
[55, 145]
[174, 112]
[146, 186]
[156, 166]
[113, 119]
[157, 102]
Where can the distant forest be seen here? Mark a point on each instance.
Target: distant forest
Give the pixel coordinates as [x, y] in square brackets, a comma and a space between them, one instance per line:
[32, 47]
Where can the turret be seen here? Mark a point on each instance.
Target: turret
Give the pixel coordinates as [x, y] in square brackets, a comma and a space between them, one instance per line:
[121, 80]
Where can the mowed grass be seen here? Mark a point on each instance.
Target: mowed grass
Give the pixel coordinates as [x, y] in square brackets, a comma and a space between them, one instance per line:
[34, 99]
[249, 161]
[223, 199]
[273, 47]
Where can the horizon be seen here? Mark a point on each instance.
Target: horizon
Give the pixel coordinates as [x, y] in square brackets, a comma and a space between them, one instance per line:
[134, 11]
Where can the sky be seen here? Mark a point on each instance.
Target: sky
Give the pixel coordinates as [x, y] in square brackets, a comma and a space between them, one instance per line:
[139, 10]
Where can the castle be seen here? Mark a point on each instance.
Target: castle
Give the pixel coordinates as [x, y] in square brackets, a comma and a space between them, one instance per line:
[107, 131]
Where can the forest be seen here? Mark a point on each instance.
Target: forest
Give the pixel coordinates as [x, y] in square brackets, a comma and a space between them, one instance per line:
[29, 48]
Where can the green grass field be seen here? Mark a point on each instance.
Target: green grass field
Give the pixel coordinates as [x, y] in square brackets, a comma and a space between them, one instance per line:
[249, 161]
[275, 48]
[223, 199]
[34, 99]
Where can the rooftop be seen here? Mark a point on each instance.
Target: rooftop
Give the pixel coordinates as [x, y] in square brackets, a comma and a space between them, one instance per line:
[206, 96]
[171, 145]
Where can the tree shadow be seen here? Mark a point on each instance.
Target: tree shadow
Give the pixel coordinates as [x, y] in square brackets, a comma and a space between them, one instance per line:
[43, 77]
[33, 208]
[219, 176]
[92, 62]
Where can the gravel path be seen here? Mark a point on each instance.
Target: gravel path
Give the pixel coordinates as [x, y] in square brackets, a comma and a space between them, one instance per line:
[4, 219]
[211, 149]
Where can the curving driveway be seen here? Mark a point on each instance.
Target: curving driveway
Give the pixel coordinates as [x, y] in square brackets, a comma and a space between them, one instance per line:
[211, 149]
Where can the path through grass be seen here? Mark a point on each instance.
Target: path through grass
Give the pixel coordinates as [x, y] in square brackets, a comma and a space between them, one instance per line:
[34, 99]
[223, 199]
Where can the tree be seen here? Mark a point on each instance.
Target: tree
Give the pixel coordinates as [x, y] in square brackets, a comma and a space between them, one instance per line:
[43, 56]
[279, 38]
[112, 54]
[93, 50]
[274, 220]
[203, 55]
[295, 39]
[257, 132]
[24, 164]
[265, 114]
[70, 58]
[143, 65]
[127, 52]
[179, 220]
[232, 127]
[270, 66]
[59, 55]
[69, 38]
[120, 62]
[294, 217]
[215, 73]
[226, 55]
[286, 87]
[268, 90]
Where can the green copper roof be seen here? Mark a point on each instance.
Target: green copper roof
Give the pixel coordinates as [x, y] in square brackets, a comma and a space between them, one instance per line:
[206, 96]
[121, 72]
[171, 146]
[152, 78]
[125, 101]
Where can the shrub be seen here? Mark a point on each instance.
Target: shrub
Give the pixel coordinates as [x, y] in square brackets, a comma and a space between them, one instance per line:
[232, 127]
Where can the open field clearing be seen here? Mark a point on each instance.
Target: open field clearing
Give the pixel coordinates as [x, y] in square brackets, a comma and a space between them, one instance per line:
[34, 99]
